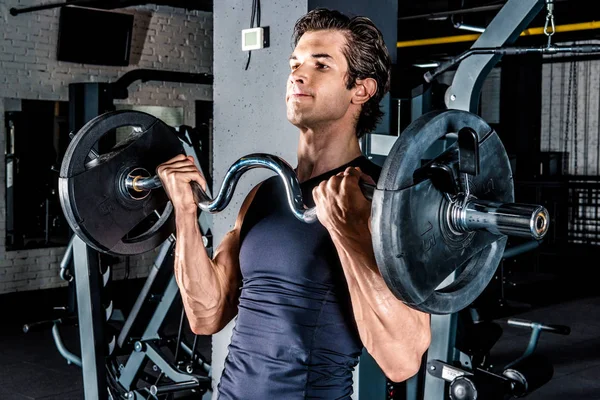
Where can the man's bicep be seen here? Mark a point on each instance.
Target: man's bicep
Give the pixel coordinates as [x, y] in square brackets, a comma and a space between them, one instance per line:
[228, 252]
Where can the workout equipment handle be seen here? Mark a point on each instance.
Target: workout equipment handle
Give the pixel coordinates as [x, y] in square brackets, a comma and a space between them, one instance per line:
[244, 164]
[175, 387]
[559, 329]
[38, 326]
[500, 218]
[42, 325]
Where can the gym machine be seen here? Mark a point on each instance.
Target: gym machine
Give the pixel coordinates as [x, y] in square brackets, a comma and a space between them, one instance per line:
[463, 94]
[140, 343]
[117, 368]
[518, 378]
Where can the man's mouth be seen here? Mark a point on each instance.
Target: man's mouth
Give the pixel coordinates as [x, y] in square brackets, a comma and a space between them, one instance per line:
[299, 93]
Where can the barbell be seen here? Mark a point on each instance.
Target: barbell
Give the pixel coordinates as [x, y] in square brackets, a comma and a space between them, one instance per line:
[431, 218]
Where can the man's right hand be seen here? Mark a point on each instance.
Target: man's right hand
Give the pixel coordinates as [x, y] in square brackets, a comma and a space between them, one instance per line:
[176, 176]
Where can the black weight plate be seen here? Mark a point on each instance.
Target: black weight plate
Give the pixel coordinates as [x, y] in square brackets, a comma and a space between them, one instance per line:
[95, 206]
[414, 248]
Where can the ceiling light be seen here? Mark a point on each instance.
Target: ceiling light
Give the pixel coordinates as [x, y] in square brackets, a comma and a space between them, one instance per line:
[427, 65]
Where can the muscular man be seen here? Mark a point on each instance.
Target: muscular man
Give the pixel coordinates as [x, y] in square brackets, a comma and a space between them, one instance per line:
[307, 297]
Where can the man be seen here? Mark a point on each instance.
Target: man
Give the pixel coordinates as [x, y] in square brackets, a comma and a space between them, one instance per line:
[307, 297]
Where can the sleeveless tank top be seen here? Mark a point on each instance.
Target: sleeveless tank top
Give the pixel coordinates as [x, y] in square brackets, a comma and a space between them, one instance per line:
[295, 336]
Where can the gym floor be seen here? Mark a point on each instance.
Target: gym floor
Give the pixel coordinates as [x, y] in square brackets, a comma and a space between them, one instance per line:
[576, 357]
[32, 368]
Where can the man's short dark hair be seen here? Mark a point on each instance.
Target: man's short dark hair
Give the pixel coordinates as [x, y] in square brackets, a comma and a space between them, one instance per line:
[365, 52]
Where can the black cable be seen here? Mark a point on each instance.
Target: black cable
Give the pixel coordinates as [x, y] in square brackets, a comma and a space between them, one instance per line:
[248, 60]
[255, 14]
[194, 346]
[112, 374]
[179, 333]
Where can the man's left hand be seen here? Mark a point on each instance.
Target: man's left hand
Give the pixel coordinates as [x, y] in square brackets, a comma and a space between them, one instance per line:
[341, 206]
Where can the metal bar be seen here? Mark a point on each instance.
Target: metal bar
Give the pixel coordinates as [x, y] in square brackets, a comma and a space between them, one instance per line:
[579, 26]
[168, 370]
[119, 87]
[463, 94]
[70, 357]
[258, 160]
[438, 40]
[504, 29]
[531, 346]
[132, 369]
[114, 4]
[88, 284]
[174, 387]
[65, 274]
[508, 51]
[135, 363]
[16, 11]
[159, 315]
[197, 359]
[449, 13]
[158, 264]
[443, 332]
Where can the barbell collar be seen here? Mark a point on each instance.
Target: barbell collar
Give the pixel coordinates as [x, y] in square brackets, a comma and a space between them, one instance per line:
[511, 219]
[139, 183]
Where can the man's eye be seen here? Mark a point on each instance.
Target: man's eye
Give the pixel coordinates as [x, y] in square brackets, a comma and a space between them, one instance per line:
[294, 66]
[322, 66]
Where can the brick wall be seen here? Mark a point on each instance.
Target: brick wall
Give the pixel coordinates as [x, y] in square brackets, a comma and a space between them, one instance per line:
[164, 38]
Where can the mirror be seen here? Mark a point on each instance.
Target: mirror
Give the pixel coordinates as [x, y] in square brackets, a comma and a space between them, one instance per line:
[36, 137]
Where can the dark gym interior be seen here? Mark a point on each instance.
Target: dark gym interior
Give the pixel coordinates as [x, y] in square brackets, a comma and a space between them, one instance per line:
[535, 318]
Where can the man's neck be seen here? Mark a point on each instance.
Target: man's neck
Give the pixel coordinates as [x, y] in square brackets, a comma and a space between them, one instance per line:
[321, 150]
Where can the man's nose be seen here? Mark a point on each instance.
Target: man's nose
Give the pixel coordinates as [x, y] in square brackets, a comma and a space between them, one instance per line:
[298, 75]
[296, 79]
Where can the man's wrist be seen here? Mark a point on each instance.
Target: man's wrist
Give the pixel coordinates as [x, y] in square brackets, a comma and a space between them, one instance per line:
[184, 219]
[355, 238]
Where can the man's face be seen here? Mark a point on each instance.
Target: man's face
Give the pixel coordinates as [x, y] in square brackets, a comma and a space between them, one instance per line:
[316, 89]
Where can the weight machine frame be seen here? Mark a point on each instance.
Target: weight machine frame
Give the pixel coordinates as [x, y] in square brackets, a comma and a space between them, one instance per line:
[463, 94]
[92, 320]
[160, 288]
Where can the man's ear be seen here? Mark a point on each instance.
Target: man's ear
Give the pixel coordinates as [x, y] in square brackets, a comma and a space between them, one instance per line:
[364, 90]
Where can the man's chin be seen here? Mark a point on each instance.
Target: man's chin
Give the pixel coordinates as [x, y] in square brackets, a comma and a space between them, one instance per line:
[298, 121]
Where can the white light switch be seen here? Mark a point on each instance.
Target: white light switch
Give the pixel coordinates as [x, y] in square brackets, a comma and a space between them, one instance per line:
[254, 38]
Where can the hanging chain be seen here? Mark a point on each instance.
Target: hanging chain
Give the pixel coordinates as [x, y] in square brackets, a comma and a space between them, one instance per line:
[568, 116]
[586, 118]
[575, 112]
[550, 107]
[549, 22]
[549, 33]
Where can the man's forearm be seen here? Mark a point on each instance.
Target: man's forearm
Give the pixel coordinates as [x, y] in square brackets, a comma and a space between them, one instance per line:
[203, 284]
[393, 333]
